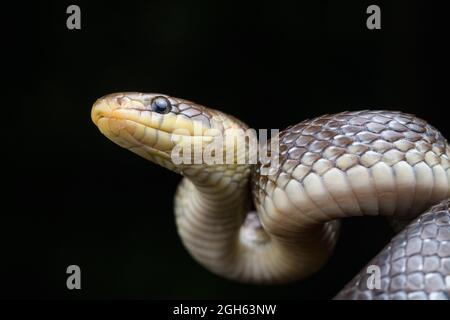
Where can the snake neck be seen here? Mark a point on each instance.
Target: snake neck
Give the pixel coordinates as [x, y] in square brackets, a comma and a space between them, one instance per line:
[219, 229]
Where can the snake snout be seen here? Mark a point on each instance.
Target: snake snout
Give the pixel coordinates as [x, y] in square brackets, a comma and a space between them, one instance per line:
[111, 105]
[99, 110]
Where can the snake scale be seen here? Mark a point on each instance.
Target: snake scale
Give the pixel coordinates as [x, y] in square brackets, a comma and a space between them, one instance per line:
[280, 227]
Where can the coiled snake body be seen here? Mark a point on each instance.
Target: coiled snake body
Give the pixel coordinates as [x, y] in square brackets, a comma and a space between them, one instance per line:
[348, 164]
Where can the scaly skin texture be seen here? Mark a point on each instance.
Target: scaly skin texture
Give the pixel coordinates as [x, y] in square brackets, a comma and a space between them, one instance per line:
[415, 265]
[348, 164]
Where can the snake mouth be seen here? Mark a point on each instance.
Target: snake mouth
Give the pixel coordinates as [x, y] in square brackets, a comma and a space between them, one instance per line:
[134, 136]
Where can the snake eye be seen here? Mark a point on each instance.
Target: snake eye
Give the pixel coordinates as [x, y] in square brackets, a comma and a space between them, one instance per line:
[161, 105]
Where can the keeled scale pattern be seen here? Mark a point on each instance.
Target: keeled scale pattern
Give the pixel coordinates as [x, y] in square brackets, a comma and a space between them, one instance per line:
[414, 265]
[347, 139]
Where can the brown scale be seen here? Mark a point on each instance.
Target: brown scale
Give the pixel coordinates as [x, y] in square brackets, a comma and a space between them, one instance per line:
[364, 137]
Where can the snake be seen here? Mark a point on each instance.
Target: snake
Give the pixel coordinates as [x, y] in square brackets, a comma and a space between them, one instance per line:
[277, 220]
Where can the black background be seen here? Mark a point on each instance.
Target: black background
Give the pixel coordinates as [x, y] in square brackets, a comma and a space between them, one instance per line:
[79, 199]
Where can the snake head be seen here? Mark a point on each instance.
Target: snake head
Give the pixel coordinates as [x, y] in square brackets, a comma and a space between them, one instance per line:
[154, 126]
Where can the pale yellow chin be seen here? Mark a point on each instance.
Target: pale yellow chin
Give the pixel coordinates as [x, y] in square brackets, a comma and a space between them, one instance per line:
[131, 128]
[136, 137]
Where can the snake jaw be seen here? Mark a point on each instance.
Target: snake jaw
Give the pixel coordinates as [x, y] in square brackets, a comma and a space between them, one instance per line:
[129, 121]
